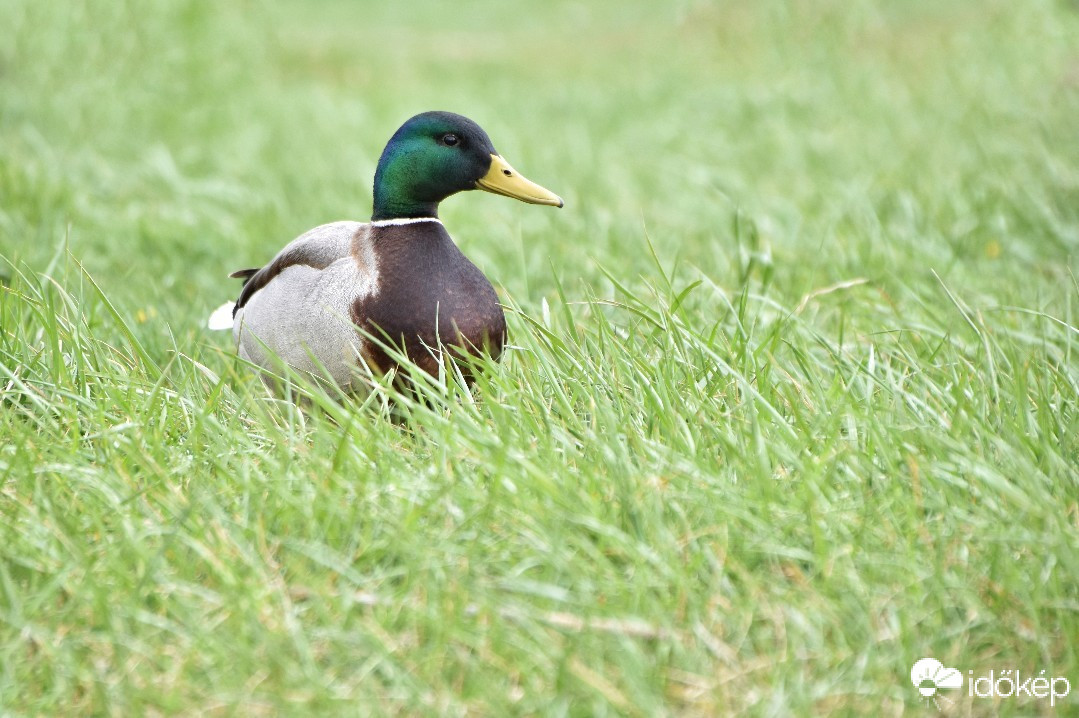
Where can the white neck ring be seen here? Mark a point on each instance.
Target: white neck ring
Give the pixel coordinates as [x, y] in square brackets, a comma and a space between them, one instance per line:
[403, 220]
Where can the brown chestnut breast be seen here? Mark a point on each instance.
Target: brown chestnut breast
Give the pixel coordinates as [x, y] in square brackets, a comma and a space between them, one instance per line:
[427, 293]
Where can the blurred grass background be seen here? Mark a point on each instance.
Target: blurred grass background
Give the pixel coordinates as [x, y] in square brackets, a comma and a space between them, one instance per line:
[799, 487]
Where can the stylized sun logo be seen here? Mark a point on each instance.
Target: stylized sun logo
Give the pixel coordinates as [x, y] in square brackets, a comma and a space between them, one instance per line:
[929, 675]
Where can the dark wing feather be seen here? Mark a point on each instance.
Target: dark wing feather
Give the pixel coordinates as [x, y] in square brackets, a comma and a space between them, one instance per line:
[259, 278]
[244, 274]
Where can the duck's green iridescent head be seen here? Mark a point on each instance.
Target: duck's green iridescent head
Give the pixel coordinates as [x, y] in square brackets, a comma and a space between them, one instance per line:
[436, 154]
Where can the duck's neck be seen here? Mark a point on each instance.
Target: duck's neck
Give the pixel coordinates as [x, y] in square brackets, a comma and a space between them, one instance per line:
[396, 191]
[389, 207]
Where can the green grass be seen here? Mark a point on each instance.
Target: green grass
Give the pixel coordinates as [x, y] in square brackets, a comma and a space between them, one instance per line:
[793, 398]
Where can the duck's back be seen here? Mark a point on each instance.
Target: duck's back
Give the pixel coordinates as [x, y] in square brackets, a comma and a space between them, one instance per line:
[298, 307]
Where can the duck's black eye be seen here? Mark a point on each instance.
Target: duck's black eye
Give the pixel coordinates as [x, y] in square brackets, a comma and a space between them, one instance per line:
[450, 140]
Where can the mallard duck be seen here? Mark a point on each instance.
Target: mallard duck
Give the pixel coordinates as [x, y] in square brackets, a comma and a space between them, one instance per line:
[399, 277]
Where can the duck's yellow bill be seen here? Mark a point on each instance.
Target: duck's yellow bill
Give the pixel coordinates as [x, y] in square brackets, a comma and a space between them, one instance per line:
[503, 179]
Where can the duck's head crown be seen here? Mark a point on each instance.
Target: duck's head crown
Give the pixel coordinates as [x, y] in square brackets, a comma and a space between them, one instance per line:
[437, 154]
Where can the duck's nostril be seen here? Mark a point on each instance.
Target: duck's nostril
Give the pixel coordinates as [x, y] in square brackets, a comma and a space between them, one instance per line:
[507, 173]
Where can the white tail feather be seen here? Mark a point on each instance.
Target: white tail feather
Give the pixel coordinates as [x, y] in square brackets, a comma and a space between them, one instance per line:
[222, 317]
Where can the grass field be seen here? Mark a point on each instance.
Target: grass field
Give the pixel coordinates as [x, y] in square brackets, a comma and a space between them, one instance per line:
[793, 398]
